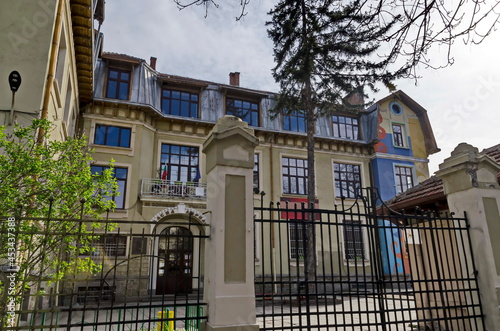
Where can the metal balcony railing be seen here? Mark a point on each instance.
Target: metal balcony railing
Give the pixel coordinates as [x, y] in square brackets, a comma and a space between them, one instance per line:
[164, 189]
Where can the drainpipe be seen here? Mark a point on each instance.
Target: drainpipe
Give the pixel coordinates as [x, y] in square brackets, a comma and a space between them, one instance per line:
[52, 67]
[273, 234]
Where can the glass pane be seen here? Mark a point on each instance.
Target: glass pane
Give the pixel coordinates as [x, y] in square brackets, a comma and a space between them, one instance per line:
[194, 110]
[123, 91]
[112, 136]
[100, 132]
[112, 86]
[125, 76]
[125, 138]
[113, 74]
[175, 110]
[185, 109]
[165, 106]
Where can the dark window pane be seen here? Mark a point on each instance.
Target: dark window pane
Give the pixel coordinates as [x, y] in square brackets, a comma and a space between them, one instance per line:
[180, 103]
[112, 86]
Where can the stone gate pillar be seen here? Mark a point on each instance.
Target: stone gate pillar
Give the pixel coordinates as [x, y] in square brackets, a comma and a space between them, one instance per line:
[471, 184]
[229, 258]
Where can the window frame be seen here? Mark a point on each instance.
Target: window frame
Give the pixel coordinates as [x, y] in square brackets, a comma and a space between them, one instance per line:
[107, 126]
[295, 117]
[337, 127]
[181, 101]
[297, 234]
[120, 247]
[350, 247]
[295, 176]
[119, 81]
[337, 182]
[232, 110]
[398, 177]
[123, 194]
[402, 135]
[192, 169]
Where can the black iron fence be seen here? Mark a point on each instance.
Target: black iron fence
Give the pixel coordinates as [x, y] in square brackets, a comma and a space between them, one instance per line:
[101, 275]
[361, 268]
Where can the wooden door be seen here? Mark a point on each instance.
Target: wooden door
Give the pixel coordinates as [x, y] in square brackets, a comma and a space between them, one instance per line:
[175, 261]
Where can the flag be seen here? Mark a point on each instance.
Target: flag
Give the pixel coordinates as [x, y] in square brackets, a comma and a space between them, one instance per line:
[164, 173]
[198, 176]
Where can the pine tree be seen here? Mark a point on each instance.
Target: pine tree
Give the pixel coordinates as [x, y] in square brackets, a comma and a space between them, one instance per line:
[324, 51]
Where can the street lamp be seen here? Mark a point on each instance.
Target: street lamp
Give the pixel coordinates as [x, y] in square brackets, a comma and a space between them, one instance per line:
[14, 82]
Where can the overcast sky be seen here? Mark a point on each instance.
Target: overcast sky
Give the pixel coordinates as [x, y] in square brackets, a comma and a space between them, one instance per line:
[462, 101]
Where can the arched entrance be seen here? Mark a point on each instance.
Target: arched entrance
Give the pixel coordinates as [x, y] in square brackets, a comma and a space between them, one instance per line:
[175, 261]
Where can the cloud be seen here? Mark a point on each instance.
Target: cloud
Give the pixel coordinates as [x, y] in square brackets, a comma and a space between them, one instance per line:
[461, 106]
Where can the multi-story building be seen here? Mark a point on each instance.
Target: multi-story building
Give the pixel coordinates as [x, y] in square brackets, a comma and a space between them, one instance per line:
[52, 45]
[153, 126]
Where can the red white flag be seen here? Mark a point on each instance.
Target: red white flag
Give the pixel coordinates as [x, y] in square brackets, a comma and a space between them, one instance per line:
[164, 173]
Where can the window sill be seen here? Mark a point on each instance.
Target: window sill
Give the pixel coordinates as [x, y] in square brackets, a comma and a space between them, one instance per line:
[113, 149]
[401, 147]
[357, 263]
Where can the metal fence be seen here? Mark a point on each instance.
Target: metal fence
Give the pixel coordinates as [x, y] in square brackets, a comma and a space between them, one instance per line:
[101, 275]
[361, 268]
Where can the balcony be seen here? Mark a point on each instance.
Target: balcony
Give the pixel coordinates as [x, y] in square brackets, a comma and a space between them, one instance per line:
[169, 189]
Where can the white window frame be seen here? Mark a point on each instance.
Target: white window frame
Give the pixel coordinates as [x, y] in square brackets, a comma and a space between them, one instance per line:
[361, 174]
[413, 176]
[364, 234]
[404, 135]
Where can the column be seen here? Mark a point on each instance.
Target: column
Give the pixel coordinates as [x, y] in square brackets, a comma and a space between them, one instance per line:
[471, 184]
[229, 259]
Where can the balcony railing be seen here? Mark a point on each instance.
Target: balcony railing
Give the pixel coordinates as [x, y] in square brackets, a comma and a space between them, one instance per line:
[164, 189]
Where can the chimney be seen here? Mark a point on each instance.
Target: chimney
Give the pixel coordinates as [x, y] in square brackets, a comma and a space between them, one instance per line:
[234, 78]
[152, 62]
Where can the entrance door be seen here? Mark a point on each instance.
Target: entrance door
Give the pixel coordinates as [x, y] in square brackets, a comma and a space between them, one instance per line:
[175, 261]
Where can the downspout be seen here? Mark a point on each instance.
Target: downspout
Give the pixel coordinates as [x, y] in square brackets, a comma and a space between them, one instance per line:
[273, 234]
[52, 68]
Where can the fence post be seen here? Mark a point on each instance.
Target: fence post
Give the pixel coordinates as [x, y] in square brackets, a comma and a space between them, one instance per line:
[471, 184]
[229, 259]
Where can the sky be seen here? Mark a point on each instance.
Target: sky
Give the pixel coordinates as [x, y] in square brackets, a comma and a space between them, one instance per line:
[462, 101]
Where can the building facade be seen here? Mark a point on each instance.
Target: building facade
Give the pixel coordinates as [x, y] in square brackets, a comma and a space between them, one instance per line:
[153, 126]
[52, 45]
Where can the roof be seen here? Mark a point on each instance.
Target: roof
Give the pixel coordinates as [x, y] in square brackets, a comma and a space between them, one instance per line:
[121, 57]
[81, 16]
[421, 112]
[431, 190]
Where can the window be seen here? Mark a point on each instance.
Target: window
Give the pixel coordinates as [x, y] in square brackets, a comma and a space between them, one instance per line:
[120, 174]
[398, 134]
[112, 136]
[110, 245]
[347, 180]
[396, 108]
[294, 175]
[118, 84]
[107, 245]
[179, 103]
[345, 127]
[256, 173]
[296, 235]
[354, 246]
[404, 178]
[181, 162]
[295, 121]
[246, 110]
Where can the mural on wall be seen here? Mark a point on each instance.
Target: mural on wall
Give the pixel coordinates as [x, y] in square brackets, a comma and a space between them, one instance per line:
[396, 262]
[381, 147]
